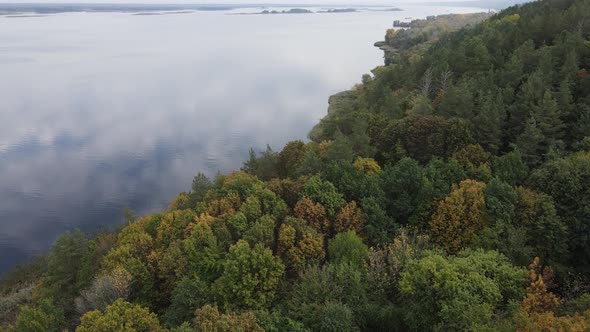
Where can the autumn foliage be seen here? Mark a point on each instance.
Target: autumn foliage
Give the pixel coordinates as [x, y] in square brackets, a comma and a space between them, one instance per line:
[460, 216]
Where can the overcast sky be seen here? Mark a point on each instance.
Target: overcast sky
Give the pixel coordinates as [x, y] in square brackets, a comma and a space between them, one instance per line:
[343, 2]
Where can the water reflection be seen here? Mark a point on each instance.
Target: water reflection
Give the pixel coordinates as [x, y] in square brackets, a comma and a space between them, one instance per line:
[105, 111]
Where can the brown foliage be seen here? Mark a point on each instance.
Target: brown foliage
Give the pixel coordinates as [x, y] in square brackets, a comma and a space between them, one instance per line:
[209, 319]
[539, 299]
[225, 206]
[350, 218]
[313, 213]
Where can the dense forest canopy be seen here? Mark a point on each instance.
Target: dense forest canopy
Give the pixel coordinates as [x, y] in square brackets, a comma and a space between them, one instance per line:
[450, 191]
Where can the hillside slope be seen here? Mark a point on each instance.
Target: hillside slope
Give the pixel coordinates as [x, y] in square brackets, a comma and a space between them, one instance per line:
[449, 191]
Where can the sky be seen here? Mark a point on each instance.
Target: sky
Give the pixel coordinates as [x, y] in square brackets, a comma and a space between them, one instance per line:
[358, 2]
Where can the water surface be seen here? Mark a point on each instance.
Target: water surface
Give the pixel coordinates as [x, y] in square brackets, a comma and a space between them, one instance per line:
[105, 111]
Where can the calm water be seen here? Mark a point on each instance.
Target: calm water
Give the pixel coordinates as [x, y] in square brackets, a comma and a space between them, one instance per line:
[103, 111]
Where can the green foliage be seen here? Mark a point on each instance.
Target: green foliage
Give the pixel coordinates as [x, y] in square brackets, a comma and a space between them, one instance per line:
[120, 316]
[458, 293]
[333, 283]
[347, 248]
[324, 193]
[189, 295]
[263, 167]
[250, 277]
[566, 181]
[402, 184]
[201, 184]
[67, 270]
[41, 317]
[261, 231]
[476, 138]
[510, 168]
[275, 322]
[290, 158]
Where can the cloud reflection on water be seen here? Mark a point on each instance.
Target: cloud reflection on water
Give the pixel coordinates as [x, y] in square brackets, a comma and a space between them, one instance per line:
[105, 111]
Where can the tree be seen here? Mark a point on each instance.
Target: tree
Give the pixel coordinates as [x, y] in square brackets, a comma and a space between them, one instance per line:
[548, 119]
[500, 202]
[203, 253]
[459, 217]
[379, 227]
[250, 277]
[530, 142]
[201, 184]
[120, 316]
[332, 283]
[189, 295]
[290, 158]
[105, 289]
[324, 193]
[275, 321]
[334, 317]
[172, 226]
[386, 263]
[209, 319]
[299, 245]
[348, 248]
[349, 218]
[44, 316]
[546, 233]
[488, 122]
[262, 231]
[565, 180]
[458, 293]
[263, 167]
[62, 280]
[510, 168]
[402, 184]
[368, 165]
[313, 213]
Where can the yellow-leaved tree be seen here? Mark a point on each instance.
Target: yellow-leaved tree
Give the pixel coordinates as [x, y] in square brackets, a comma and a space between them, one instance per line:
[459, 217]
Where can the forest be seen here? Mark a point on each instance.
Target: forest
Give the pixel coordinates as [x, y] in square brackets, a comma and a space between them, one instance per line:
[450, 191]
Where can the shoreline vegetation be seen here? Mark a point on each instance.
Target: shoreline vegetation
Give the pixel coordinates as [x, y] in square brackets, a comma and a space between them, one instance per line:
[448, 191]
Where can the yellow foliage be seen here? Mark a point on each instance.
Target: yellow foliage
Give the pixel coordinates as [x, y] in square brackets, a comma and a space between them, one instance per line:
[459, 217]
[225, 206]
[539, 299]
[179, 202]
[368, 165]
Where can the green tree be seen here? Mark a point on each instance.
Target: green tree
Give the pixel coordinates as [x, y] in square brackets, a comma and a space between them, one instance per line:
[530, 142]
[189, 295]
[201, 184]
[458, 293]
[348, 248]
[402, 184]
[340, 283]
[250, 277]
[510, 168]
[42, 317]
[565, 180]
[120, 316]
[290, 158]
[62, 280]
[324, 193]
